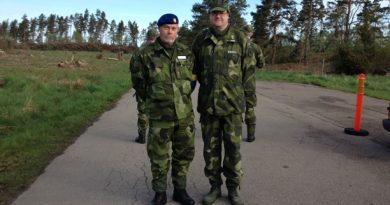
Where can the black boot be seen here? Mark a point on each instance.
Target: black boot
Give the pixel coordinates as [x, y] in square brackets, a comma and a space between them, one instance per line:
[250, 138]
[160, 198]
[251, 133]
[181, 196]
[140, 139]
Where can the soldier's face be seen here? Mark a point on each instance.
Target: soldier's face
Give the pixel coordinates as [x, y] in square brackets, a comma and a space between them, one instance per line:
[249, 35]
[168, 33]
[219, 20]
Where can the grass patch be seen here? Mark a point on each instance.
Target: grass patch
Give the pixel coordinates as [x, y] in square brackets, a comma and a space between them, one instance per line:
[375, 86]
[44, 108]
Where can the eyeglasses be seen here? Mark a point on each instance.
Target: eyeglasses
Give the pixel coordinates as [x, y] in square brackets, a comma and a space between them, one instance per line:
[215, 13]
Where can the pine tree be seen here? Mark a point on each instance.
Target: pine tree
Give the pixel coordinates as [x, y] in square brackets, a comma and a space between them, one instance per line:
[13, 30]
[367, 27]
[102, 25]
[78, 28]
[62, 28]
[52, 28]
[279, 12]
[120, 32]
[67, 26]
[33, 29]
[92, 26]
[237, 11]
[261, 24]
[133, 32]
[341, 19]
[84, 22]
[185, 34]
[200, 16]
[312, 11]
[4, 29]
[42, 23]
[112, 32]
[23, 30]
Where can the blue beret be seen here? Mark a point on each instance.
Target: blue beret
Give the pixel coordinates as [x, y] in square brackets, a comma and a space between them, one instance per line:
[167, 19]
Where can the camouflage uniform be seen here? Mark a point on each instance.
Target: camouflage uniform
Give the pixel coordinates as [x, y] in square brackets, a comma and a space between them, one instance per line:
[162, 78]
[225, 71]
[143, 121]
[250, 115]
[260, 61]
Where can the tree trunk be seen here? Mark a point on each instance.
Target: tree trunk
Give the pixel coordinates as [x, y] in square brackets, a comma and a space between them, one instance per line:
[274, 45]
[347, 18]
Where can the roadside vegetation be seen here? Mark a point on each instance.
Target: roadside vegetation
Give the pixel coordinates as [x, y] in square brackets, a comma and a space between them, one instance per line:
[44, 107]
[375, 85]
[352, 36]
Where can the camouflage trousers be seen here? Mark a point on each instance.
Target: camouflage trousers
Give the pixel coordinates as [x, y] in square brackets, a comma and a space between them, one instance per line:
[142, 119]
[163, 135]
[250, 121]
[226, 131]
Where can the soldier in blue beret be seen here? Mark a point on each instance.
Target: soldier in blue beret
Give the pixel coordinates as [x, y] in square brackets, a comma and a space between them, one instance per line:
[161, 75]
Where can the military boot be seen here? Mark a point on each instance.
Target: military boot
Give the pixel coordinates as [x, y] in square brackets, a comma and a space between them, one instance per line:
[233, 196]
[140, 139]
[181, 196]
[251, 133]
[160, 198]
[212, 196]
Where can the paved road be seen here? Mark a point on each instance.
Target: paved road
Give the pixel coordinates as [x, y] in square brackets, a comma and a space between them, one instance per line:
[301, 156]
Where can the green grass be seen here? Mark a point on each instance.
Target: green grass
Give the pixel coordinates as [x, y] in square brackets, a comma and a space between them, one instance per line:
[375, 86]
[43, 108]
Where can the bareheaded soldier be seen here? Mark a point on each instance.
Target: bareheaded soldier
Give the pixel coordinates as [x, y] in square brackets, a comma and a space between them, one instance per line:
[250, 116]
[162, 74]
[224, 69]
[142, 122]
[151, 36]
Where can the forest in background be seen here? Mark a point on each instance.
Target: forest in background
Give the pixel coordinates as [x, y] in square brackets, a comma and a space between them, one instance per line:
[347, 36]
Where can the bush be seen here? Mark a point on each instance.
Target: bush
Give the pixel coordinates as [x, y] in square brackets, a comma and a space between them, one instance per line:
[350, 62]
[7, 43]
[382, 56]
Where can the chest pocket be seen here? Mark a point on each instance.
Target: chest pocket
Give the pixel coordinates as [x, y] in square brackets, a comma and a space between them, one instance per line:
[158, 72]
[233, 57]
[183, 67]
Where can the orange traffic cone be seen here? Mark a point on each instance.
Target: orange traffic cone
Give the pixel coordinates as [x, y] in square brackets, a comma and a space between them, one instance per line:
[356, 130]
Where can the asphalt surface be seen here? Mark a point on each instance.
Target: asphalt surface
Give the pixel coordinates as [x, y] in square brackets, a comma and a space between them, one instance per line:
[301, 156]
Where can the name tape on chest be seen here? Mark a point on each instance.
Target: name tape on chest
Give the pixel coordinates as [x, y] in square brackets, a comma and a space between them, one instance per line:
[182, 57]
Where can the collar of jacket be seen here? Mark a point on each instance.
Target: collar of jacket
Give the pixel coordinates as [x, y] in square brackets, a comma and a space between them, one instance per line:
[228, 36]
[157, 46]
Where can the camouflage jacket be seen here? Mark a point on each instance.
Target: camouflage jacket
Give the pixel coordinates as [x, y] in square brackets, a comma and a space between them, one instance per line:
[224, 67]
[162, 79]
[259, 57]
